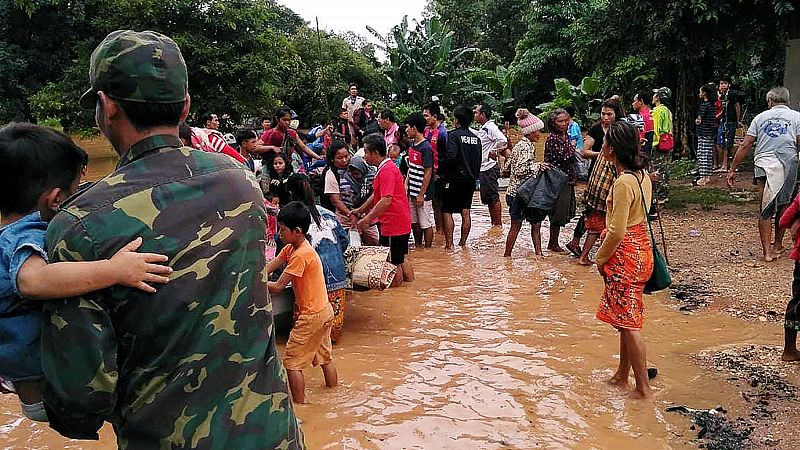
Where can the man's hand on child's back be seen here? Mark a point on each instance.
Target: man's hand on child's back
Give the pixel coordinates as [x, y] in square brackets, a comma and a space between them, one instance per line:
[136, 270]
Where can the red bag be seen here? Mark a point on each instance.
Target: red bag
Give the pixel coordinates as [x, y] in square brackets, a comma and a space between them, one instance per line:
[665, 143]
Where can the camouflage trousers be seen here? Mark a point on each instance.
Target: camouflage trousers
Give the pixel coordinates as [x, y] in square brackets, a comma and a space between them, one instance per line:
[660, 162]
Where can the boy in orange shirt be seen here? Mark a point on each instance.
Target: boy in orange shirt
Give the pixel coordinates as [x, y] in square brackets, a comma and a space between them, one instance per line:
[310, 340]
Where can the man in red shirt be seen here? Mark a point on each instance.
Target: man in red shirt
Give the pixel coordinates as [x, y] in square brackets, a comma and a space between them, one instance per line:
[282, 138]
[389, 204]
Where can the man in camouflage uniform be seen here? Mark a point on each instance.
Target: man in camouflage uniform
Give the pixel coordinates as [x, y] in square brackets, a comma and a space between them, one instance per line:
[193, 365]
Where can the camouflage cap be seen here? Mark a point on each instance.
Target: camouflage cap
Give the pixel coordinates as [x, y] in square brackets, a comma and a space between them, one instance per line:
[137, 66]
[663, 92]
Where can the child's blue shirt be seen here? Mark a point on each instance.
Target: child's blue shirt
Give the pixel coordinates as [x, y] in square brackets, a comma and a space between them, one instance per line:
[20, 326]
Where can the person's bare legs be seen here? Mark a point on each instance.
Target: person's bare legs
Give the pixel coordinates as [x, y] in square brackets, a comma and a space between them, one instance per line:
[416, 231]
[330, 374]
[724, 160]
[620, 378]
[408, 271]
[765, 233]
[634, 344]
[764, 227]
[536, 237]
[427, 235]
[511, 239]
[495, 213]
[437, 214]
[552, 245]
[591, 238]
[448, 226]
[297, 384]
[466, 227]
[790, 352]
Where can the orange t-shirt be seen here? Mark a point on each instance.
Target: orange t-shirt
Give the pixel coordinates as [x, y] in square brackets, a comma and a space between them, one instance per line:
[308, 281]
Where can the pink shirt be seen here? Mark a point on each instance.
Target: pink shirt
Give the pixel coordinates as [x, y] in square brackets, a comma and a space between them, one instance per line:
[390, 135]
[396, 220]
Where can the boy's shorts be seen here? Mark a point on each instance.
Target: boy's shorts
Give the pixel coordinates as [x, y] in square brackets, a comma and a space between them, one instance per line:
[422, 215]
[398, 247]
[309, 341]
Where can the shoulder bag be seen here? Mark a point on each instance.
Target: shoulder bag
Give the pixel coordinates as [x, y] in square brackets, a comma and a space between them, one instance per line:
[660, 278]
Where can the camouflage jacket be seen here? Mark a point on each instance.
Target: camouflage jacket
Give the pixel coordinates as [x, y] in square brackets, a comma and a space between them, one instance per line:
[194, 365]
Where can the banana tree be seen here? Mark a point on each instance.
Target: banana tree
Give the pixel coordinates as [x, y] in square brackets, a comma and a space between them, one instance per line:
[423, 63]
[580, 97]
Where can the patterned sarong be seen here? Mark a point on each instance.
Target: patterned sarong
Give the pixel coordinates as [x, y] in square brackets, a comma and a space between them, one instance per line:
[625, 275]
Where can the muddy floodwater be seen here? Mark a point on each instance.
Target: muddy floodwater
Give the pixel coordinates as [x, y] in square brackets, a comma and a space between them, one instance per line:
[486, 352]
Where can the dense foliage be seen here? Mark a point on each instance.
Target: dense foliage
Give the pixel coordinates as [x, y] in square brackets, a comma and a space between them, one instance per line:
[246, 57]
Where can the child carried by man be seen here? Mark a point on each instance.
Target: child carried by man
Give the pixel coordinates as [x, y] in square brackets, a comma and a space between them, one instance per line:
[41, 168]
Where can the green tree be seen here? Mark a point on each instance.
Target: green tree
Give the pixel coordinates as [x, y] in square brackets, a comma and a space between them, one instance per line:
[423, 62]
[327, 65]
[544, 52]
[32, 50]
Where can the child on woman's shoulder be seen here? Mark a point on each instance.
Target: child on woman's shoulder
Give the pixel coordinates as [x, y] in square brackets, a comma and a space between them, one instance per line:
[310, 339]
[40, 169]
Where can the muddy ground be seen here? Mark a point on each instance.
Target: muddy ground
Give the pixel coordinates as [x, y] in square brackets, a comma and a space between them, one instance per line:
[714, 252]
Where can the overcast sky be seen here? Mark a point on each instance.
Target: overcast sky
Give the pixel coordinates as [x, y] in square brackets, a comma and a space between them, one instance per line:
[353, 15]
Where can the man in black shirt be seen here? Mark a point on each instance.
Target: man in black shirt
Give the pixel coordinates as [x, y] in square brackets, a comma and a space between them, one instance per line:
[729, 120]
[460, 168]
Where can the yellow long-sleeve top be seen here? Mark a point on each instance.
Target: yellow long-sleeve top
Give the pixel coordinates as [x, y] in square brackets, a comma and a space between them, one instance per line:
[624, 209]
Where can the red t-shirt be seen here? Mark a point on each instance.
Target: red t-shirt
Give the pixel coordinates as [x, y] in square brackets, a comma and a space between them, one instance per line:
[647, 118]
[275, 137]
[395, 221]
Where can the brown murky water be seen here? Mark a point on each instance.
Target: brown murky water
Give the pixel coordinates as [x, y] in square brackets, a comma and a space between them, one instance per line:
[483, 352]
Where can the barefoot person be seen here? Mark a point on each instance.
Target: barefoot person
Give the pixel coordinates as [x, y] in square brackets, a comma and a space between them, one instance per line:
[791, 322]
[520, 166]
[389, 205]
[492, 141]
[310, 339]
[560, 153]
[625, 258]
[776, 135]
[601, 176]
[459, 171]
[194, 364]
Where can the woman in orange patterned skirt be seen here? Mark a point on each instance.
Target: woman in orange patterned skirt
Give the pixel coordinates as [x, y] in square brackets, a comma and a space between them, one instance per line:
[625, 258]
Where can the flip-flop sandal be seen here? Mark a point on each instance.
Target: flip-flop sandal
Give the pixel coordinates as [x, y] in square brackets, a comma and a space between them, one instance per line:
[575, 249]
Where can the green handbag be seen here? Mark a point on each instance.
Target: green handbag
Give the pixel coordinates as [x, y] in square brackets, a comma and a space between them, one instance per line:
[660, 279]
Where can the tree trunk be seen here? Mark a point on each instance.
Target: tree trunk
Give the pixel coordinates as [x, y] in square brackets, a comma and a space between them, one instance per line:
[791, 76]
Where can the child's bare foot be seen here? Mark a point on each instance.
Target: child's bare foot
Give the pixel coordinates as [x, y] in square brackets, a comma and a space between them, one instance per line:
[618, 382]
[790, 355]
[641, 394]
[769, 257]
[555, 249]
[539, 253]
[585, 262]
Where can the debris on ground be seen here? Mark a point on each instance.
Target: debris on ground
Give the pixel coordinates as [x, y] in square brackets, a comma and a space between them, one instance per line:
[768, 385]
[715, 430]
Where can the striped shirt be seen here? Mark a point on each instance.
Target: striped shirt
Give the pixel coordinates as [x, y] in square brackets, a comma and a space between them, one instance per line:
[420, 157]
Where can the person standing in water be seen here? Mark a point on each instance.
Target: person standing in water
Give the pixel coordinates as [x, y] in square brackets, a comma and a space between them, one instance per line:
[460, 167]
[389, 205]
[492, 141]
[625, 258]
